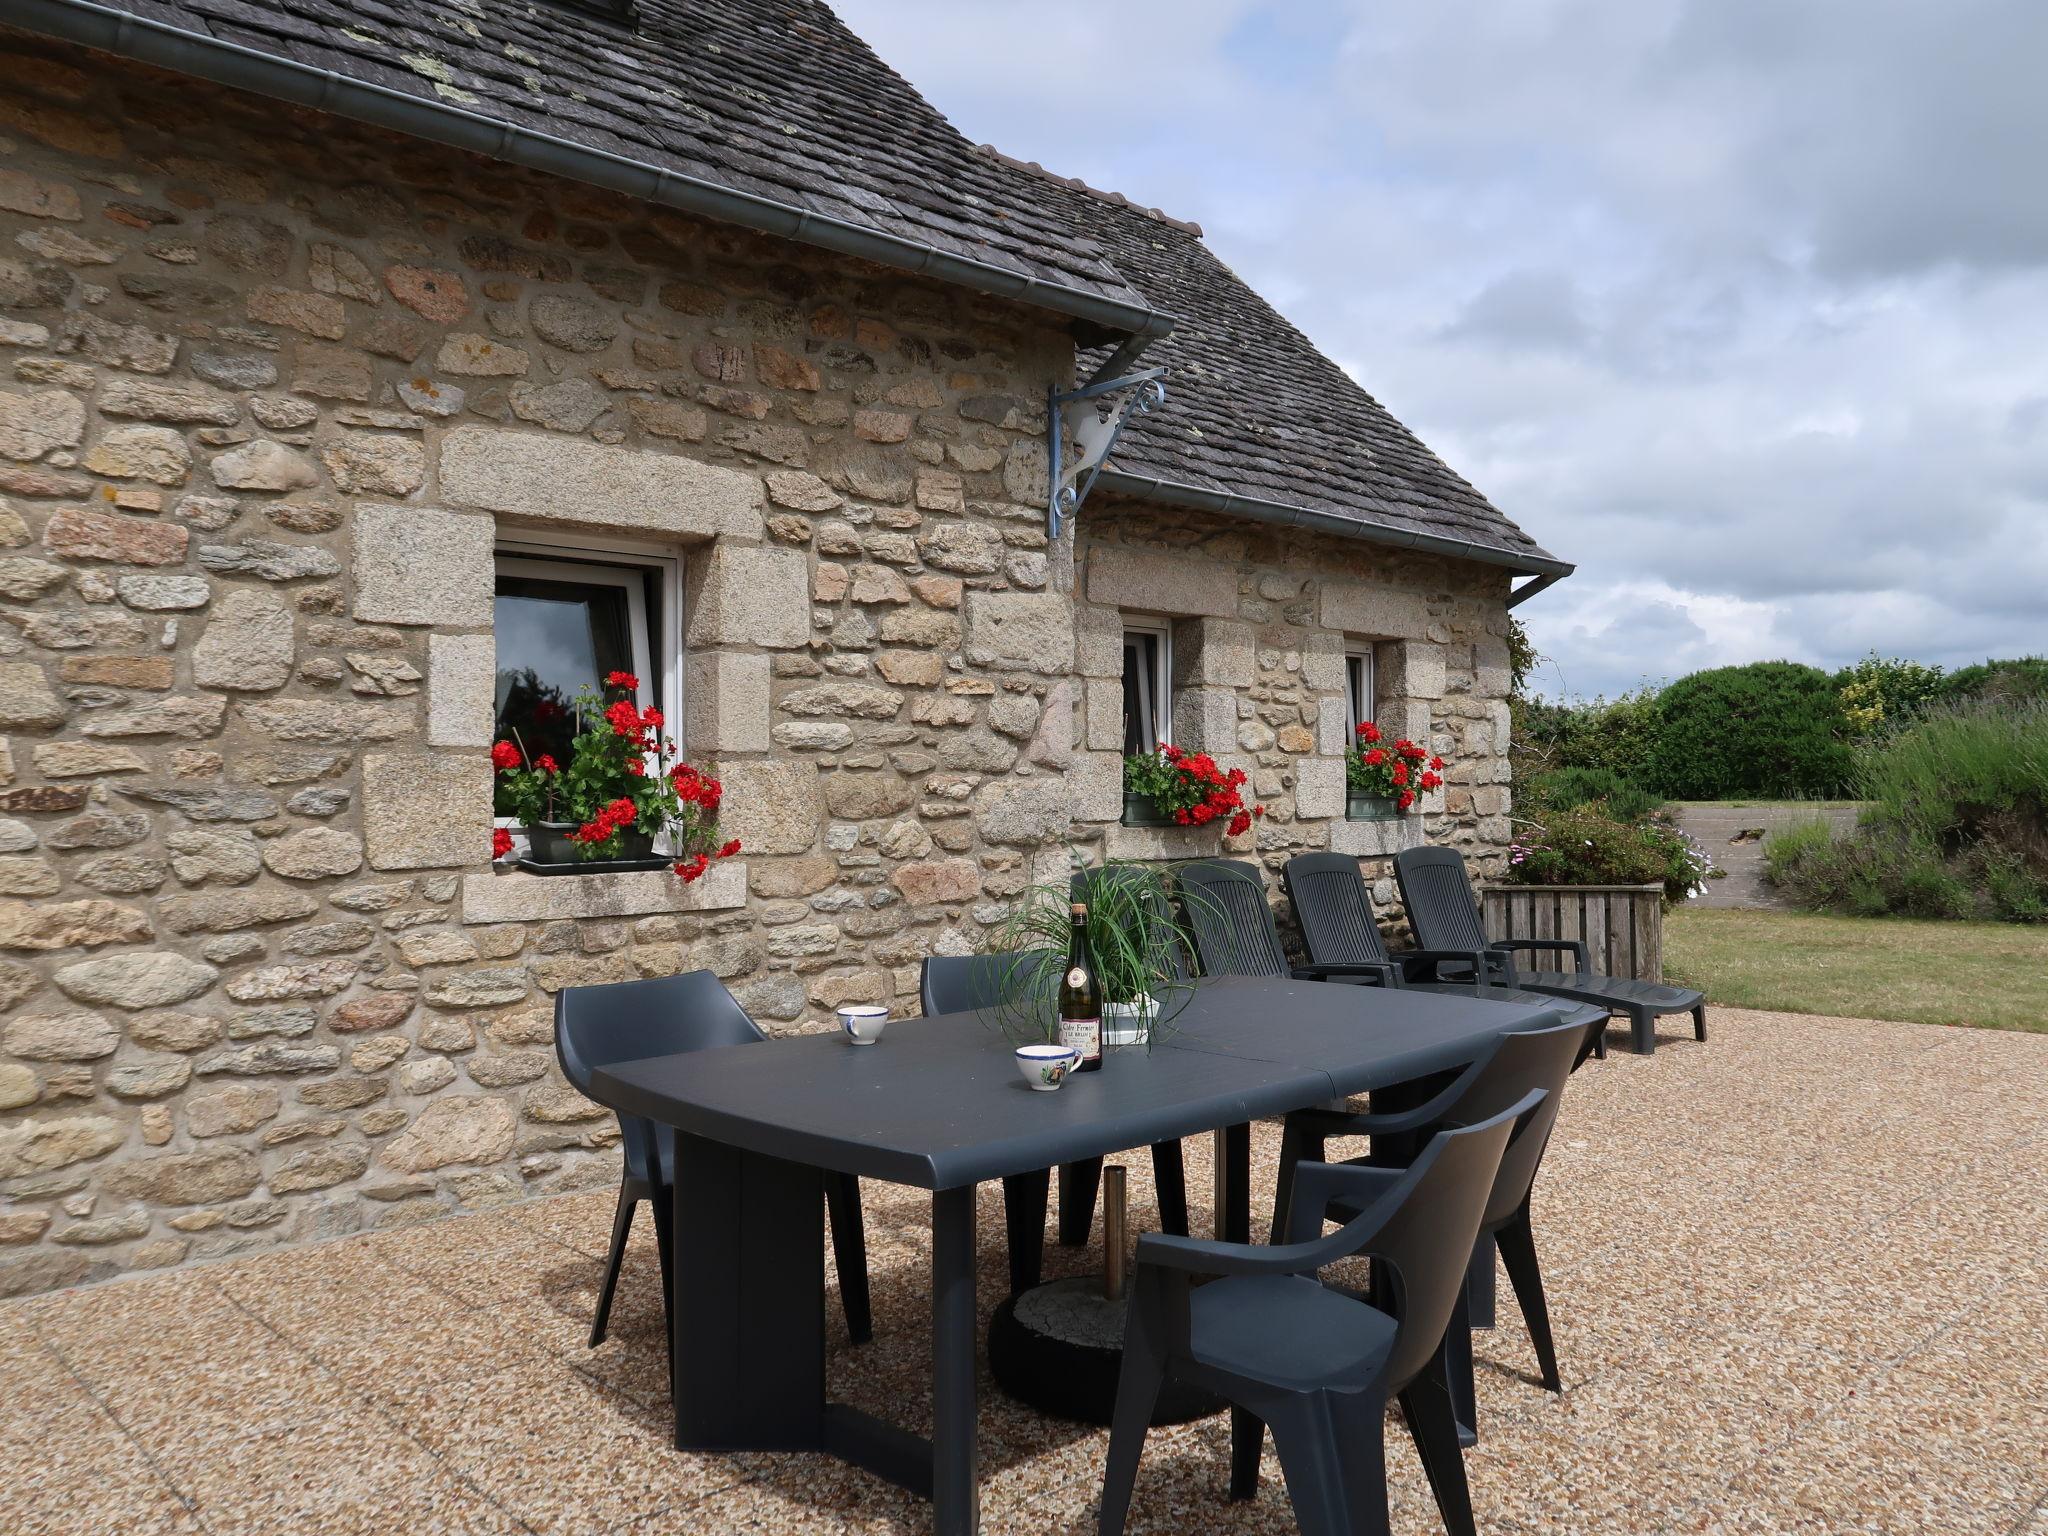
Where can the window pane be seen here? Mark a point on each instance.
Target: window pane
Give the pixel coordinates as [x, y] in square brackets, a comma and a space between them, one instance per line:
[1141, 693]
[553, 637]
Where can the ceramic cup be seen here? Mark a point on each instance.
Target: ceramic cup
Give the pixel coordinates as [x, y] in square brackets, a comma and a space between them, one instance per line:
[863, 1022]
[1045, 1067]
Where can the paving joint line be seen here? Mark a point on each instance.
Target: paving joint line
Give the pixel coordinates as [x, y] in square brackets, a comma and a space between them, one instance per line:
[128, 1434]
[380, 1409]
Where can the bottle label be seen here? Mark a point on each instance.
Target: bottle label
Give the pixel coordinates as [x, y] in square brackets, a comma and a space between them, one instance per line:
[1084, 1035]
[1077, 977]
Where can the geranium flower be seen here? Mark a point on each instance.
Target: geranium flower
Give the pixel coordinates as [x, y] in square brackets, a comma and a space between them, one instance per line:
[501, 842]
[506, 756]
[729, 849]
[547, 764]
[625, 680]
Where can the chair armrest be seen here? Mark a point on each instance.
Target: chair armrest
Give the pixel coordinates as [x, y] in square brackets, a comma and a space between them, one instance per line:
[1202, 1256]
[1373, 971]
[1576, 949]
[1432, 958]
[1318, 1185]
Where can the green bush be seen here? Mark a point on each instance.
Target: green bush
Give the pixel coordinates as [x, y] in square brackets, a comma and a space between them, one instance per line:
[1618, 735]
[1569, 788]
[1957, 825]
[1586, 846]
[1770, 729]
[1880, 693]
[2008, 682]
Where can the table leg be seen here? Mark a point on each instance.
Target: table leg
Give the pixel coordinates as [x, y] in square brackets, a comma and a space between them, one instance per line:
[1234, 1184]
[748, 1281]
[1024, 1198]
[956, 1477]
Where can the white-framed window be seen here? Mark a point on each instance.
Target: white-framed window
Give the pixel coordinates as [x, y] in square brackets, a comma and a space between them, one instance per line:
[1358, 694]
[564, 615]
[1148, 684]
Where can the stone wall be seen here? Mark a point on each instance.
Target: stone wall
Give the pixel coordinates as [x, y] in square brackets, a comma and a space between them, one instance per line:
[1261, 619]
[271, 387]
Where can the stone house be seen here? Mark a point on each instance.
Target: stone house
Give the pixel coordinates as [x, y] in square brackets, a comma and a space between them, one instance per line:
[341, 353]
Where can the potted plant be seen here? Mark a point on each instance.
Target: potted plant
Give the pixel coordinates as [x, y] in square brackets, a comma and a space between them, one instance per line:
[1171, 787]
[1382, 781]
[1140, 951]
[624, 787]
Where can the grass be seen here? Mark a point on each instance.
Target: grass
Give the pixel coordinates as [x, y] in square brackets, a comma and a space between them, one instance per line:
[1990, 975]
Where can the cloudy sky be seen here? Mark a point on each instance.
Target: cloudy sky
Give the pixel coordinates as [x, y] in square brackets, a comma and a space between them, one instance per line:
[1742, 305]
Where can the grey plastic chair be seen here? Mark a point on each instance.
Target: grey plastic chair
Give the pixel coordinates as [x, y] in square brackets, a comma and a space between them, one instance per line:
[1312, 1364]
[1224, 901]
[1445, 915]
[1536, 1060]
[1333, 906]
[629, 1020]
[967, 983]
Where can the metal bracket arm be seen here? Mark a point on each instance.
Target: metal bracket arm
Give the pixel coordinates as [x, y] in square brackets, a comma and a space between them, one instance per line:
[1084, 425]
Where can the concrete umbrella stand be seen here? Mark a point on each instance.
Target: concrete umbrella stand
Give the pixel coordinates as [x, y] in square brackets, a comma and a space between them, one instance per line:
[1059, 1347]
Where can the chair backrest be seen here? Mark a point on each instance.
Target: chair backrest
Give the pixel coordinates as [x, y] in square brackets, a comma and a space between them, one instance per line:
[1233, 928]
[1426, 1241]
[1533, 1060]
[1172, 959]
[627, 1020]
[970, 983]
[1438, 895]
[1334, 908]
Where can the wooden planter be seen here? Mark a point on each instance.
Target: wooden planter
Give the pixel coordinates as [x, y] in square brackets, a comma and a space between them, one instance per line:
[1622, 926]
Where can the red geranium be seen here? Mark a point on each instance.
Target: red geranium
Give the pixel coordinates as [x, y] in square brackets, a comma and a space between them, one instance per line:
[623, 776]
[1389, 773]
[501, 842]
[1191, 787]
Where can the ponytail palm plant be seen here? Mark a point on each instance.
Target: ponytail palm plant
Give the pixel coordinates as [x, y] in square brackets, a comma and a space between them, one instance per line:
[1141, 950]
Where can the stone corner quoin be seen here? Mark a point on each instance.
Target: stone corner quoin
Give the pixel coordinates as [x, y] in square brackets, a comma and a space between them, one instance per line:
[276, 389]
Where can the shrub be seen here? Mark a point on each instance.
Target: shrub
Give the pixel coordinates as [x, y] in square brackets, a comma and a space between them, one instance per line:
[1771, 729]
[1569, 788]
[1879, 692]
[1586, 846]
[1957, 825]
[1785, 848]
[2007, 682]
[1618, 735]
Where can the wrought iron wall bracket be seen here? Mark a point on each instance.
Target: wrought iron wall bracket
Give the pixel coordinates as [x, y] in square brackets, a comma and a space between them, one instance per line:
[1084, 424]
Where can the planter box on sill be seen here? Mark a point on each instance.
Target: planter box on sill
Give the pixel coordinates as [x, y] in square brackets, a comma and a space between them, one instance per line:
[550, 851]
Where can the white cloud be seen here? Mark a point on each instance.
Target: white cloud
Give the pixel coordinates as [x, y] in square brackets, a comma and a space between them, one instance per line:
[1740, 305]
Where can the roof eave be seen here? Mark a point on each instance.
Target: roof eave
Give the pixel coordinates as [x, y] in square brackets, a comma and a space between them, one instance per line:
[1158, 488]
[119, 32]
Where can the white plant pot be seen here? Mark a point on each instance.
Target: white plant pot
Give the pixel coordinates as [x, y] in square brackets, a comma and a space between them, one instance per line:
[1129, 1023]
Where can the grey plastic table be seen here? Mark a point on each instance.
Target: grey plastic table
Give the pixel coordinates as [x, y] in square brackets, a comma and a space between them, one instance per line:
[938, 1105]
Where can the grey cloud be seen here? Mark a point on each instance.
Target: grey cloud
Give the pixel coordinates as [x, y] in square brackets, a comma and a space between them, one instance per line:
[1740, 304]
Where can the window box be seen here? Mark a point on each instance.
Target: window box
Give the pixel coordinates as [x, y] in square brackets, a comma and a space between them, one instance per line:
[1369, 808]
[549, 851]
[1144, 811]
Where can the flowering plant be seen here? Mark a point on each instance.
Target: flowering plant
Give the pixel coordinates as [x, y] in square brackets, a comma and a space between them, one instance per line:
[1586, 846]
[1398, 773]
[1189, 787]
[622, 775]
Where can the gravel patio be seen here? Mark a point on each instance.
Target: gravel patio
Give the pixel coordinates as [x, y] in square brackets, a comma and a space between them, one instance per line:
[1799, 1275]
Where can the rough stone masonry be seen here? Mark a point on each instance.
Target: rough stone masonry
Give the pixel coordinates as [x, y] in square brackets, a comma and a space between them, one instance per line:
[272, 388]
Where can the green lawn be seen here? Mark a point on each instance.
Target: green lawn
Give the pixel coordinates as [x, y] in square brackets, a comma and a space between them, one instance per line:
[1993, 975]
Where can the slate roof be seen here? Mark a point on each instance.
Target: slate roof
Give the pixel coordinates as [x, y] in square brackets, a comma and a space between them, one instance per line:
[776, 98]
[1253, 409]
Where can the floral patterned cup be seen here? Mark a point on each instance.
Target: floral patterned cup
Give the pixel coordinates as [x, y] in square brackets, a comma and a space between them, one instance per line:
[1045, 1067]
